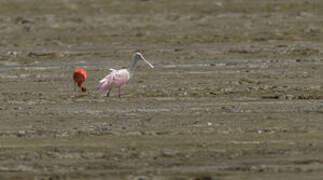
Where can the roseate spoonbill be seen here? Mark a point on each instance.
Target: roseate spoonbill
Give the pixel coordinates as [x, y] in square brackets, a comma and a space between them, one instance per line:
[79, 76]
[117, 78]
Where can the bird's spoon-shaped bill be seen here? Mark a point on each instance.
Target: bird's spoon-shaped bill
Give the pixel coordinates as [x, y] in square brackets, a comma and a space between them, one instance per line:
[148, 63]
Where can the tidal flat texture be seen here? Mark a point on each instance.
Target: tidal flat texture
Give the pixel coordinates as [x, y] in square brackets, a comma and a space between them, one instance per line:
[236, 92]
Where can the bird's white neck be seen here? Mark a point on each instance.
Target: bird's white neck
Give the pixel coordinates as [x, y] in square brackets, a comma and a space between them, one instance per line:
[132, 67]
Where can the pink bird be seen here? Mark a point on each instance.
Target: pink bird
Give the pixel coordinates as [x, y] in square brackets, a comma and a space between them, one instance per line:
[117, 78]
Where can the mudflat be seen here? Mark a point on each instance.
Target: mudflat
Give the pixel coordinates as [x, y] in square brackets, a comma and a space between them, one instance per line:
[236, 92]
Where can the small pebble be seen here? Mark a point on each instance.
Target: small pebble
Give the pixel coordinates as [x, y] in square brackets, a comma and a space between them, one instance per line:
[219, 4]
[21, 133]
[12, 53]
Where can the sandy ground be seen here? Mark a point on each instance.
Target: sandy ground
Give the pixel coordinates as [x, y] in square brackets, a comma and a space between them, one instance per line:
[236, 92]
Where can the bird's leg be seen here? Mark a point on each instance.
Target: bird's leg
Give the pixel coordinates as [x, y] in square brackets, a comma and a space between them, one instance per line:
[74, 86]
[108, 93]
[119, 93]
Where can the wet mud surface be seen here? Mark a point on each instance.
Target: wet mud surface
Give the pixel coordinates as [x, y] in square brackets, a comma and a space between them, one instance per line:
[236, 92]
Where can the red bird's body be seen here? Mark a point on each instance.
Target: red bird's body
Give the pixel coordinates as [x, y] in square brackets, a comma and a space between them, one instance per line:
[79, 76]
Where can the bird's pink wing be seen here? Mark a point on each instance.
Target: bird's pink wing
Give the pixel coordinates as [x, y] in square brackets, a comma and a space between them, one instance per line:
[120, 77]
[106, 82]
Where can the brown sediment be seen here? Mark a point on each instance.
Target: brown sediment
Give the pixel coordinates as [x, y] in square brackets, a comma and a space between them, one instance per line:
[236, 92]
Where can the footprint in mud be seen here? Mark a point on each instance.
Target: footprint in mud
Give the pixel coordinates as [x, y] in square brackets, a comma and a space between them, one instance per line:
[79, 96]
[203, 178]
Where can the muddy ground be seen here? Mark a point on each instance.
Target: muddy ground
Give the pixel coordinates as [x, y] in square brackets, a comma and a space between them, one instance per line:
[236, 92]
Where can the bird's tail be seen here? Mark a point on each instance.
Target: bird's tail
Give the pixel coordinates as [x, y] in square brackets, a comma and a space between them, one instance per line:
[106, 82]
[102, 85]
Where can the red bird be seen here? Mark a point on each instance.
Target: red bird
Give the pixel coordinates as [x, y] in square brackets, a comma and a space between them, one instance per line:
[79, 77]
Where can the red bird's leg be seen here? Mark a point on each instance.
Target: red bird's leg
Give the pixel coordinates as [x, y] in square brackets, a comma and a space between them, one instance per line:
[74, 86]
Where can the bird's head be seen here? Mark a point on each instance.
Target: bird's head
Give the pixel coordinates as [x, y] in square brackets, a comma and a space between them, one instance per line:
[138, 56]
[83, 88]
